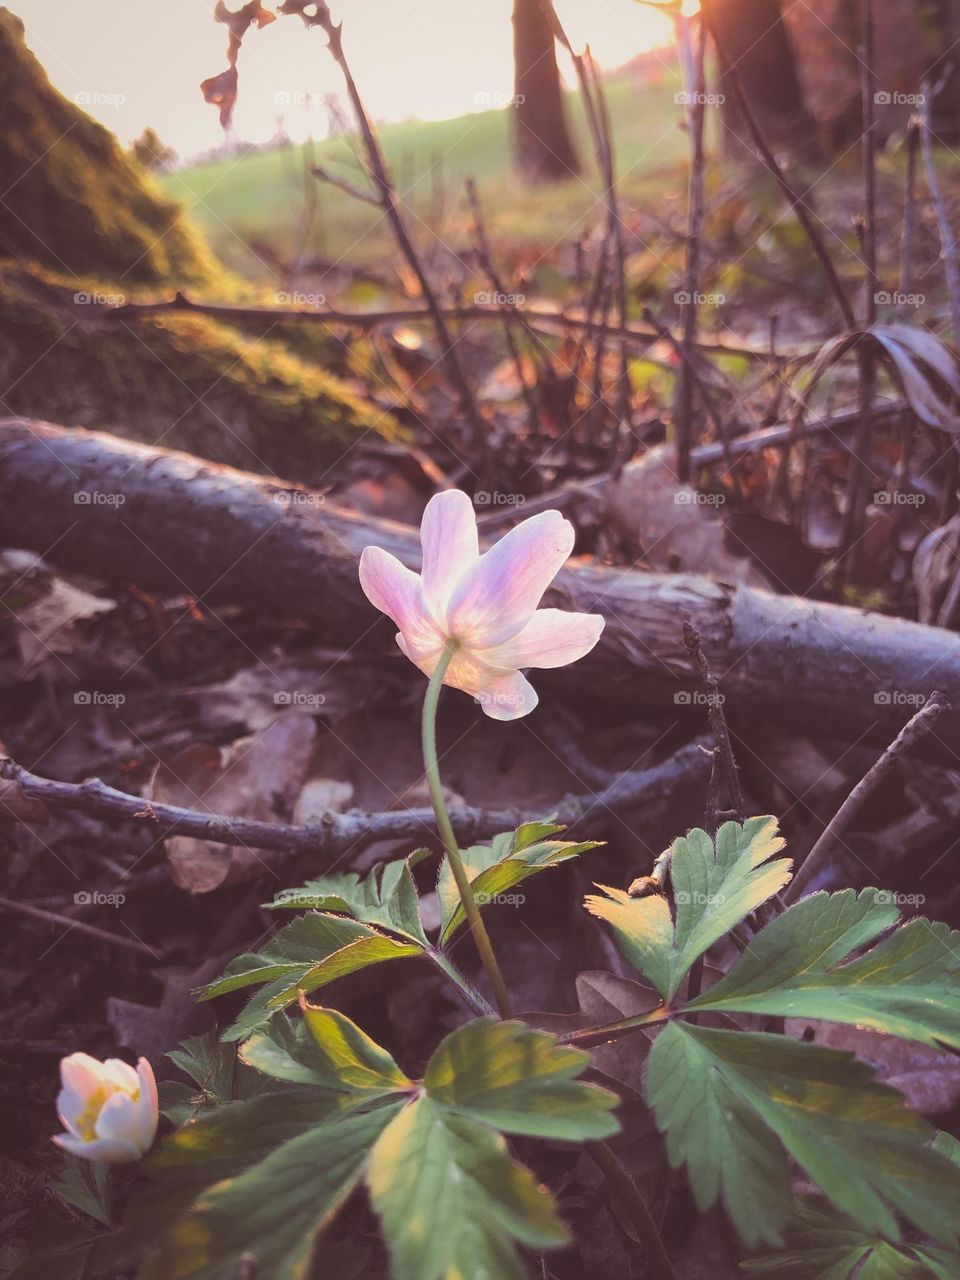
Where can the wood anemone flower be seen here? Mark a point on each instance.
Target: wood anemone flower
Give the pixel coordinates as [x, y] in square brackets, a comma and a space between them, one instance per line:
[486, 604]
[108, 1109]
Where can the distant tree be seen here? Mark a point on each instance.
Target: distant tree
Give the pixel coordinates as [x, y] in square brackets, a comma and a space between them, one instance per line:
[151, 152]
[544, 147]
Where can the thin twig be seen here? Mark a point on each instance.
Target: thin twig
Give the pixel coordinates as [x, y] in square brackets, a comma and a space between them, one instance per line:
[71, 925]
[338, 833]
[915, 728]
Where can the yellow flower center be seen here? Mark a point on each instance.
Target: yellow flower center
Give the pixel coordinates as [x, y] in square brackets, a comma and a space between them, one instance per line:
[86, 1122]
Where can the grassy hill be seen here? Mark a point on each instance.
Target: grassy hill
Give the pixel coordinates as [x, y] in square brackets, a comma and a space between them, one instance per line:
[260, 197]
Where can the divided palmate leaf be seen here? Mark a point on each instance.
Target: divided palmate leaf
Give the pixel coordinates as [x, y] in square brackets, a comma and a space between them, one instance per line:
[715, 886]
[734, 1105]
[498, 867]
[386, 898]
[799, 966]
[452, 1201]
[311, 951]
[218, 1075]
[519, 1081]
[275, 1210]
[822, 1244]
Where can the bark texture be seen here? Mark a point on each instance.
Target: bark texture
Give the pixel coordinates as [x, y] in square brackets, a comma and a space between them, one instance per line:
[229, 536]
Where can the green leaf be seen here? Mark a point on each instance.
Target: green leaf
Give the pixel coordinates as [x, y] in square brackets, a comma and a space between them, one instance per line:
[353, 1059]
[374, 949]
[906, 985]
[452, 1201]
[303, 943]
[519, 1081]
[387, 897]
[85, 1184]
[715, 886]
[273, 1213]
[311, 951]
[823, 1244]
[218, 1073]
[734, 1104]
[496, 868]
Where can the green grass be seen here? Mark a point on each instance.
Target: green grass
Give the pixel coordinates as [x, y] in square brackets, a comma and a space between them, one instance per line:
[261, 196]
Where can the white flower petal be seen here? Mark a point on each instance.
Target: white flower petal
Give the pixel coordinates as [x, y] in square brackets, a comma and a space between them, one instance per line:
[552, 638]
[395, 591]
[508, 697]
[82, 1073]
[70, 1104]
[499, 595]
[148, 1106]
[113, 1150]
[448, 536]
[118, 1118]
[121, 1074]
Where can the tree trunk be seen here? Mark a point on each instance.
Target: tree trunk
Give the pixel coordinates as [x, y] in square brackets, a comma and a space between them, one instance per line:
[544, 147]
[226, 536]
[755, 40]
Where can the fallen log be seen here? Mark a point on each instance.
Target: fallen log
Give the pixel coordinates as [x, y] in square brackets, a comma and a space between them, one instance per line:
[166, 521]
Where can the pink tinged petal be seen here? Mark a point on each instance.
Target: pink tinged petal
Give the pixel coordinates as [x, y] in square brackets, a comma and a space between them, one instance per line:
[70, 1105]
[82, 1073]
[499, 595]
[121, 1074]
[552, 638]
[395, 591]
[148, 1106]
[448, 536]
[508, 697]
[119, 1120]
[113, 1150]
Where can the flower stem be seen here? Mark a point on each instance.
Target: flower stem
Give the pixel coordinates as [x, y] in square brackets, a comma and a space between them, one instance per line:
[631, 1197]
[474, 919]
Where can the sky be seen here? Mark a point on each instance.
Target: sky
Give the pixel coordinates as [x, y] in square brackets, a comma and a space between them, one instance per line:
[131, 63]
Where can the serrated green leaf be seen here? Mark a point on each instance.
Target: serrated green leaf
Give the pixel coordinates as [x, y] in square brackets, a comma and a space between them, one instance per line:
[387, 897]
[303, 943]
[715, 886]
[218, 1073]
[519, 1081]
[451, 1200]
[823, 1244]
[496, 868]
[374, 949]
[906, 985]
[85, 1184]
[733, 1104]
[274, 1212]
[357, 1062]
